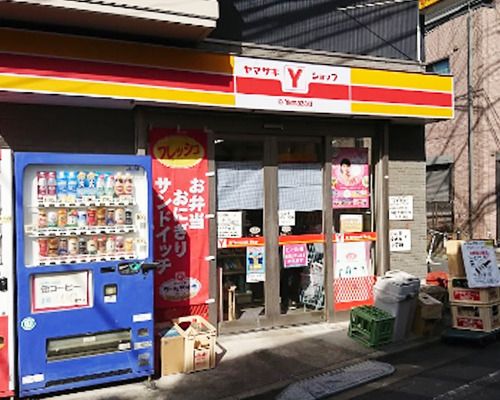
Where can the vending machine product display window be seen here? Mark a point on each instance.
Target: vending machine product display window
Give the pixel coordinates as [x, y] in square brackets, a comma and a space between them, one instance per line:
[85, 281]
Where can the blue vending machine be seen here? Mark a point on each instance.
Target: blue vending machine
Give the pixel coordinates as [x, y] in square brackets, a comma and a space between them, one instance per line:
[84, 271]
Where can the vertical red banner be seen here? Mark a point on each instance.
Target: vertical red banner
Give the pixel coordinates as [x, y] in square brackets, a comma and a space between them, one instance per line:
[181, 232]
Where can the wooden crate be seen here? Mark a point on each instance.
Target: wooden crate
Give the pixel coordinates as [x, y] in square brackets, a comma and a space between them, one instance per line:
[473, 317]
[459, 292]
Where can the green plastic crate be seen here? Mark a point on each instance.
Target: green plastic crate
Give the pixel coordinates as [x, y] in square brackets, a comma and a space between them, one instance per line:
[371, 326]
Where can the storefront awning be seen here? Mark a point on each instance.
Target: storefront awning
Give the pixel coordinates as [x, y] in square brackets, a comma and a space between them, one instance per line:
[71, 66]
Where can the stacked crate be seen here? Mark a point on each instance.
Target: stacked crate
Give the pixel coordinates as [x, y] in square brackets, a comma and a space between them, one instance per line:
[371, 326]
[471, 309]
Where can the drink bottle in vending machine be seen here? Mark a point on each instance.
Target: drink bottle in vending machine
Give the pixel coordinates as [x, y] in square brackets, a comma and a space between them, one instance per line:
[84, 271]
[7, 321]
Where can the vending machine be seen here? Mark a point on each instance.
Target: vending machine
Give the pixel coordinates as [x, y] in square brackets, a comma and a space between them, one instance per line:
[84, 271]
[7, 343]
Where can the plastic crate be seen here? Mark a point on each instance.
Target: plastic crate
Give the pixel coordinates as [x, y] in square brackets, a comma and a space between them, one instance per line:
[371, 326]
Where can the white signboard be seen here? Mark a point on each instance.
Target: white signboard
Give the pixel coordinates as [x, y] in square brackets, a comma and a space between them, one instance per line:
[351, 223]
[351, 259]
[61, 291]
[480, 264]
[283, 85]
[401, 208]
[286, 217]
[400, 240]
[229, 224]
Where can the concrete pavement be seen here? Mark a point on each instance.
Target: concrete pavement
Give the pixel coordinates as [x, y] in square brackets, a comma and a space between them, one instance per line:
[254, 363]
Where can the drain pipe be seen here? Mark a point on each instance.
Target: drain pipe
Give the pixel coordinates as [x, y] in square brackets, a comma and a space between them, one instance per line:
[470, 137]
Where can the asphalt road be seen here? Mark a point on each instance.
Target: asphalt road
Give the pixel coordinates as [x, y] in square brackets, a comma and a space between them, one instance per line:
[437, 371]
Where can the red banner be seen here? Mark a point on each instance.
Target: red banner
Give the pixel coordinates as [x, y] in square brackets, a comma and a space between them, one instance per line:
[181, 236]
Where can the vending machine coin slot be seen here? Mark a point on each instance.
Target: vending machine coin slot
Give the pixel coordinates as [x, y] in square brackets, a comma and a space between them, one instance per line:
[107, 270]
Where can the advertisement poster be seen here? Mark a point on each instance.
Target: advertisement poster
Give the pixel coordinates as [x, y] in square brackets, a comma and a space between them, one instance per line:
[480, 264]
[294, 255]
[350, 178]
[351, 223]
[229, 224]
[61, 291]
[401, 208]
[180, 206]
[256, 264]
[351, 259]
[399, 240]
[286, 217]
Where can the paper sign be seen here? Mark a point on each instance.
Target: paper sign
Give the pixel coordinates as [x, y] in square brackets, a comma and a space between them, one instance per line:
[294, 255]
[351, 223]
[400, 240]
[256, 264]
[480, 264]
[351, 259]
[286, 217]
[401, 208]
[229, 224]
[61, 291]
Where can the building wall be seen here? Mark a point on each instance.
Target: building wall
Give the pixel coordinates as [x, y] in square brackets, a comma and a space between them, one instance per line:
[407, 178]
[449, 138]
[385, 30]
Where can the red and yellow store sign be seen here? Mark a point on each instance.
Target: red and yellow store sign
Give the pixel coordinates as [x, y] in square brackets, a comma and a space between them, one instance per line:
[48, 64]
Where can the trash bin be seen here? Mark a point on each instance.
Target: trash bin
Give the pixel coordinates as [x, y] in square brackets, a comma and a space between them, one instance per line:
[396, 292]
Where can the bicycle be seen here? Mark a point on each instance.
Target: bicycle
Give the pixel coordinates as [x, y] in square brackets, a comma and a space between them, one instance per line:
[433, 246]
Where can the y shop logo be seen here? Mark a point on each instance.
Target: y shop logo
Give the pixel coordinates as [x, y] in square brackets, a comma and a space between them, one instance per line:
[178, 151]
[295, 80]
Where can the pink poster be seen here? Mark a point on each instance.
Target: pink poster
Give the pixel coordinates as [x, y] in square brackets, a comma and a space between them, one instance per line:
[294, 255]
[350, 178]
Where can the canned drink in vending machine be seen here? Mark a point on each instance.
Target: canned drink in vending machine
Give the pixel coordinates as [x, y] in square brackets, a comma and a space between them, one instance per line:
[101, 245]
[43, 247]
[41, 179]
[82, 218]
[128, 217]
[128, 184]
[53, 247]
[120, 244]
[92, 246]
[110, 217]
[72, 218]
[120, 216]
[72, 184]
[63, 247]
[92, 217]
[110, 245]
[52, 219]
[129, 245]
[73, 246]
[62, 185]
[62, 218]
[101, 216]
[42, 218]
[82, 245]
[51, 183]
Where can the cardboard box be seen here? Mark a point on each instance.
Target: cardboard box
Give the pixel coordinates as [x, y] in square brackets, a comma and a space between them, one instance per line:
[424, 327]
[455, 260]
[172, 355]
[428, 307]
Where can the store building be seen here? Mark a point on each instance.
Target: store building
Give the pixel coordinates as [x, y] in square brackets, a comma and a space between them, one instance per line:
[463, 153]
[285, 179]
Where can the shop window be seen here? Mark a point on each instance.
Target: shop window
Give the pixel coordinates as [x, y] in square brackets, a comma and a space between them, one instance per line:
[438, 183]
[240, 197]
[300, 203]
[441, 67]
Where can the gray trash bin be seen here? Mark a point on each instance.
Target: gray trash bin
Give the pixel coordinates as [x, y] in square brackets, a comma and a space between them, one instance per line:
[396, 292]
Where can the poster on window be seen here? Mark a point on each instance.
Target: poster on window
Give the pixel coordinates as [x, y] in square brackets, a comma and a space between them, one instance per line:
[350, 178]
[256, 264]
[229, 224]
[180, 202]
[351, 259]
[480, 264]
[294, 255]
